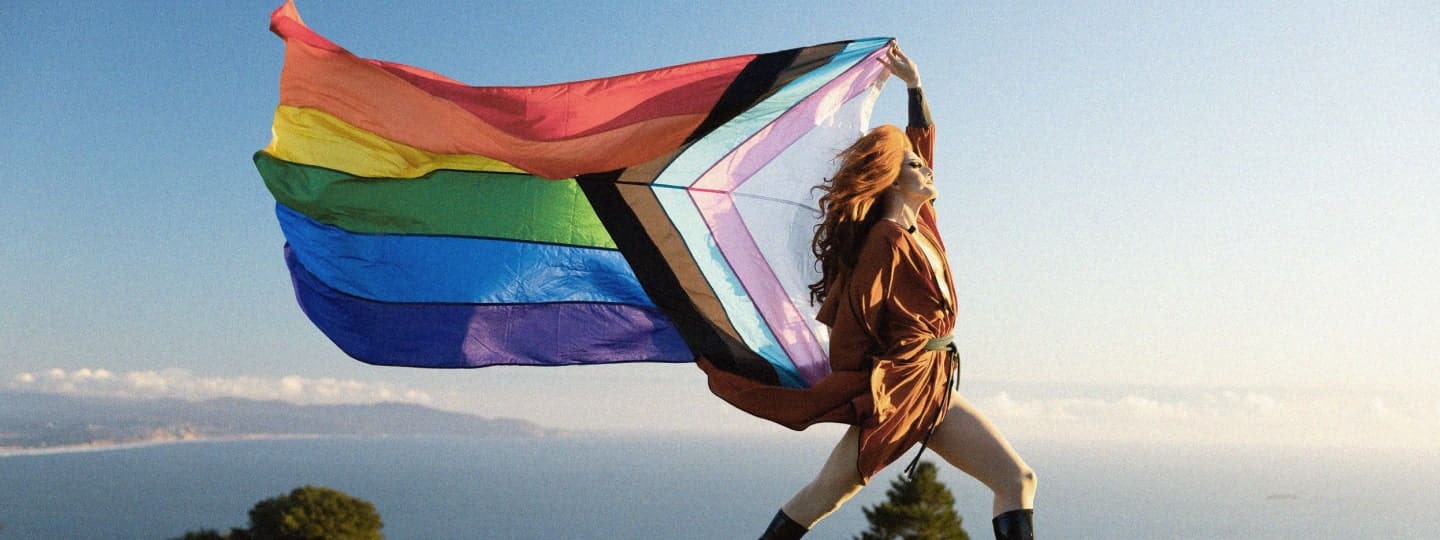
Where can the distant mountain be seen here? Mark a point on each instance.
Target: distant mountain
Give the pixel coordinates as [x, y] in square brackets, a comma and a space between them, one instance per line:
[41, 420]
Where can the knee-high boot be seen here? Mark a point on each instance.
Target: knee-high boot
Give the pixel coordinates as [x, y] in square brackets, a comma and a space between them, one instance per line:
[1015, 525]
[783, 528]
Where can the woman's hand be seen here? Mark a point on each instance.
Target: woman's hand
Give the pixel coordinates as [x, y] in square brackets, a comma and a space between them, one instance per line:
[901, 66]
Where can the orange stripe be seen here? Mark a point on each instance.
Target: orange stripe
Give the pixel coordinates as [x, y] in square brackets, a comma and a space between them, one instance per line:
[554, 131]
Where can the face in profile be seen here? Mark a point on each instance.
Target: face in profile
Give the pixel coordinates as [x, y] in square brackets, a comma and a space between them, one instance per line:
[916, 181]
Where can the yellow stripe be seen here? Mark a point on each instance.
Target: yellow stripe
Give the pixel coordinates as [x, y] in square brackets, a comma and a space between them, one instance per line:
[312, 137]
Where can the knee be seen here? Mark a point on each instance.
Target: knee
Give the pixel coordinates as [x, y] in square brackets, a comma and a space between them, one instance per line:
[1026, 480]
[834, 487]
[819, 498]
[1022, 483]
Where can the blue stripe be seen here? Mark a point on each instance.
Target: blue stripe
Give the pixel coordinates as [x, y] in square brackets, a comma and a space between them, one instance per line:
[468, 335]
[738, 305]
[444, 269]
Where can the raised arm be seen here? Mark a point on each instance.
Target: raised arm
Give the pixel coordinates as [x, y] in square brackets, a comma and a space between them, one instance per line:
[920, 129]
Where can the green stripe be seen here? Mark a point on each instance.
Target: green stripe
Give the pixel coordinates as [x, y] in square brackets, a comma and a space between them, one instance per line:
[454, 203]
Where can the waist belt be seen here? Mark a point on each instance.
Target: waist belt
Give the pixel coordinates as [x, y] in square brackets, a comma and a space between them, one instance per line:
[947, 343]
[942, 342]
[952, 381]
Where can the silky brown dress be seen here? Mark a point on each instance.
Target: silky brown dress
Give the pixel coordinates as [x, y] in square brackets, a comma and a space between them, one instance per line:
[880, 316]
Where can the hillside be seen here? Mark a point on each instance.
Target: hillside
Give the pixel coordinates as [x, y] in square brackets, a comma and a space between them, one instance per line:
[31, 421]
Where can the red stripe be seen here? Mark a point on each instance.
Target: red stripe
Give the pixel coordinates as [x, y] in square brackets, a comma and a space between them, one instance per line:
[554, 131]
[552, 112]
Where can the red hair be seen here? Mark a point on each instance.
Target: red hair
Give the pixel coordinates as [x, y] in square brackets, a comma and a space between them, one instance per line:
[867, 168]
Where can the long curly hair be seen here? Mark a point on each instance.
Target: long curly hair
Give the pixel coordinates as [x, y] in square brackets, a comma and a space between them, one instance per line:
[867, 168]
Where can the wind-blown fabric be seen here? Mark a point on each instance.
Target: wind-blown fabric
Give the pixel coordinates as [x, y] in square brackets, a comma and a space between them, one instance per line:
[656, 216]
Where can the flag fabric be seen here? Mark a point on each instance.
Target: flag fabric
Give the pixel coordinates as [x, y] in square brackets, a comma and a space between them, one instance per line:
[649, 217]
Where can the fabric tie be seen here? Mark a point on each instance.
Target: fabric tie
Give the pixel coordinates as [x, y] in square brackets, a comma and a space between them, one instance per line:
[952, 382]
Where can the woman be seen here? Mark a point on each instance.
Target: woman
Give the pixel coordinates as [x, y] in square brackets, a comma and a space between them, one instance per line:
[887, 295]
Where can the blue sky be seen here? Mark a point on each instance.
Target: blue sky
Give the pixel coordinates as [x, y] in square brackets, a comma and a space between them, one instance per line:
[1151, 209]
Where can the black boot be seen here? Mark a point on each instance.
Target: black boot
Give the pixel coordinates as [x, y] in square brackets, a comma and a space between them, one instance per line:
[1015, 525]
[783, 528]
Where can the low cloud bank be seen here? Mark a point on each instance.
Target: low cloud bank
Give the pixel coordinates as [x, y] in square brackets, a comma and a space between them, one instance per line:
[682, 404]
[1223, 417]
[180, 383]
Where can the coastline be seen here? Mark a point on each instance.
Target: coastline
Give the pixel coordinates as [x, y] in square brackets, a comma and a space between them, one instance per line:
[104, 446]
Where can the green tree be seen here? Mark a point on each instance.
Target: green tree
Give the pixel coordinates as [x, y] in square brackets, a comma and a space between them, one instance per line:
[315, 513]
[306, 513]
[916, 508]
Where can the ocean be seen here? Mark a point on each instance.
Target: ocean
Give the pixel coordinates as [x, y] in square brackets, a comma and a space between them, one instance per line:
[706, 487]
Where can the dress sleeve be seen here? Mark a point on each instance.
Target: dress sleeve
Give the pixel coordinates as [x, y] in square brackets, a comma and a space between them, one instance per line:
[893, 291]
[921, 131]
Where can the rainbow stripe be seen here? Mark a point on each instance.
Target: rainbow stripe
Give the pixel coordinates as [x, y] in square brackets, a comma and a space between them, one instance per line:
[429, 223]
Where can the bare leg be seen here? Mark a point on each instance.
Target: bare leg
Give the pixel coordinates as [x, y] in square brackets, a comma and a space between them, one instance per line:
[837, 481]
[971, 443]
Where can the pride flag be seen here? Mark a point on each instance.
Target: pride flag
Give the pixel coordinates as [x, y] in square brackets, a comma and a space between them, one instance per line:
[654, 216]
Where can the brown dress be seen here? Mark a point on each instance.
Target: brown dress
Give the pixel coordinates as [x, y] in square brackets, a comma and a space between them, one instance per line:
[880, 317]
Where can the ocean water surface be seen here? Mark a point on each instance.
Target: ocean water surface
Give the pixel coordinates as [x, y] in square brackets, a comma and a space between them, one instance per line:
[671, 486]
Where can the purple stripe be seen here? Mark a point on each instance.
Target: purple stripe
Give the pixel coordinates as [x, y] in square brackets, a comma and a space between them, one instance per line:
[477, 335]
[786, 322]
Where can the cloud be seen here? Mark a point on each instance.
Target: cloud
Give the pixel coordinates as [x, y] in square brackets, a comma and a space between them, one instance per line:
[1225, 417]
[181, 383]
[1124, 408]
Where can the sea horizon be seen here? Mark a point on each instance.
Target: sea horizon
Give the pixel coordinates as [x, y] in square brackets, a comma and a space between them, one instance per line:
[589, 485]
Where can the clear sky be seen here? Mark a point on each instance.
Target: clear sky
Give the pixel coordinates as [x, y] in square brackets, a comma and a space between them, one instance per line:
[1170, 217]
